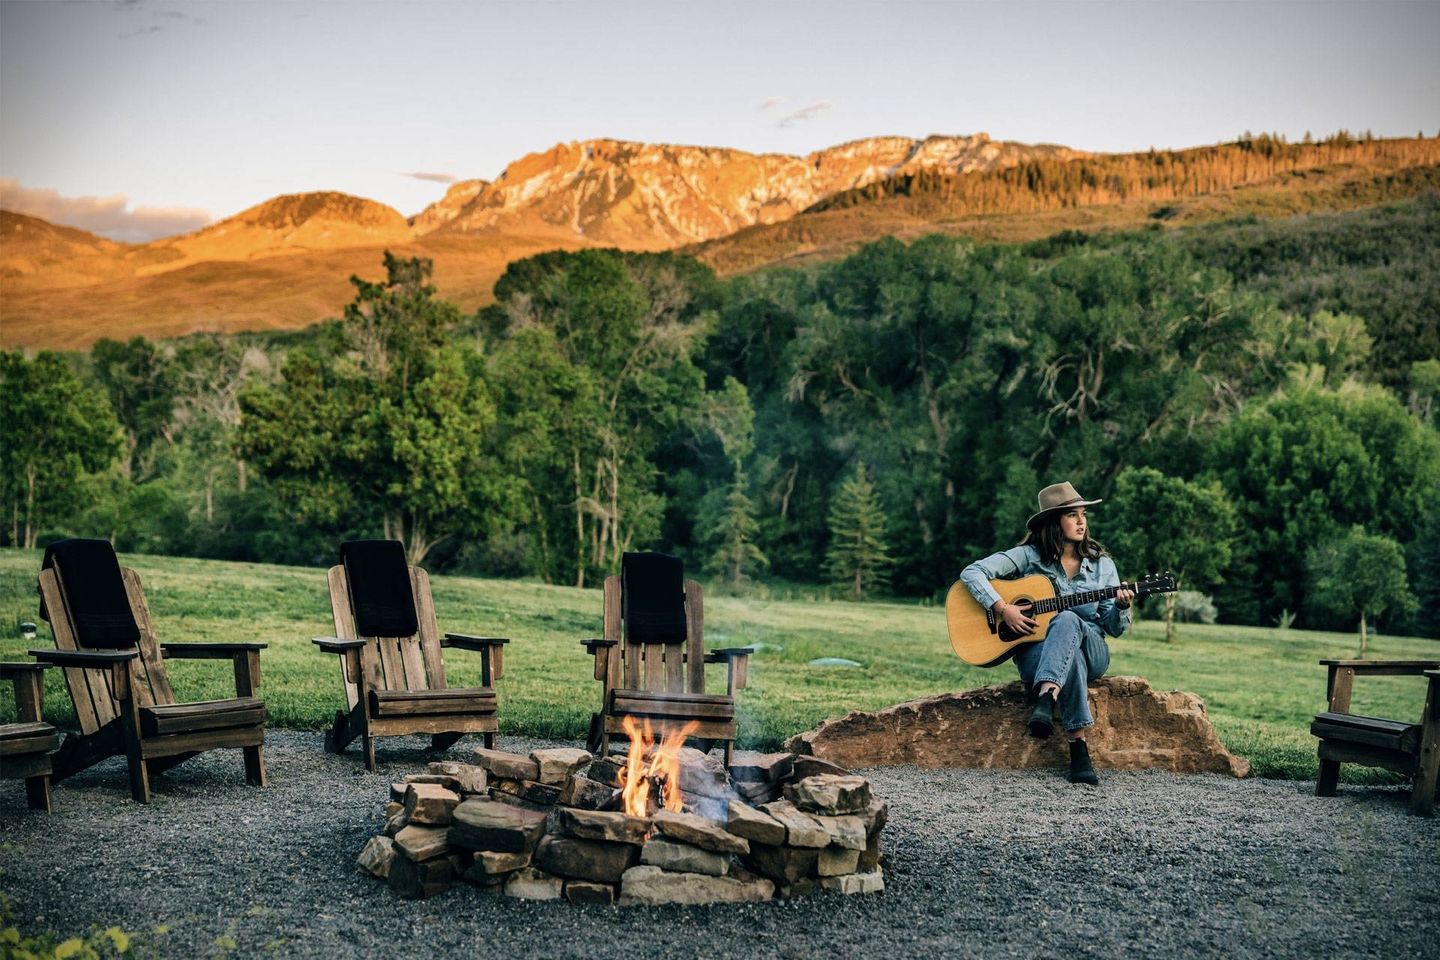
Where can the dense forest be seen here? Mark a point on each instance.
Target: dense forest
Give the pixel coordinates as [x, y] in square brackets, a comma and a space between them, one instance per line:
[1253, 399]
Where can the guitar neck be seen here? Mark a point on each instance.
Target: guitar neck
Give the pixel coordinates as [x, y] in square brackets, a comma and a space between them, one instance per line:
[1080, 599]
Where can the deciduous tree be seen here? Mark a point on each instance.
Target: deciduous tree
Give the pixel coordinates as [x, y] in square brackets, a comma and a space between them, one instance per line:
[1358, 575]
[53, 430]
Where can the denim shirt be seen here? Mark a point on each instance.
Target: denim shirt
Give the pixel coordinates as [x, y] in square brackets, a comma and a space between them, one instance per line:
[1024, 560]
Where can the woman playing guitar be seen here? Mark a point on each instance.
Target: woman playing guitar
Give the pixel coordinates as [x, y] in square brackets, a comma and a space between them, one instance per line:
[1073, 651]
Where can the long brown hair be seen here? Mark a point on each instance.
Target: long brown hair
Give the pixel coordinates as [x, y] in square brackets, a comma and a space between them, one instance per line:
[1046, 537]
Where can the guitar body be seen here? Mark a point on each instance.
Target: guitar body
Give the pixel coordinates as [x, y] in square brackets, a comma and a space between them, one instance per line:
[981, 638]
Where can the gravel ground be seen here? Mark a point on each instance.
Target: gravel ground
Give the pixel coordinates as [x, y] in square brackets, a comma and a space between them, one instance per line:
[981, 863]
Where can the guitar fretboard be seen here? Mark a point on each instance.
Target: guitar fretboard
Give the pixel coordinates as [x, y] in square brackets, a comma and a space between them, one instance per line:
[1080, 599]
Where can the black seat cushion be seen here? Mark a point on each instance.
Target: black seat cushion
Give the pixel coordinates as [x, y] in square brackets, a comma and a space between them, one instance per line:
[653, 587]
[380, 592]
[95, 593]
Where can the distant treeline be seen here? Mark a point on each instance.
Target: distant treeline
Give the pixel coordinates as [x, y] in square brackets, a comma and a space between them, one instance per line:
[1247, 397]
[1054, 183]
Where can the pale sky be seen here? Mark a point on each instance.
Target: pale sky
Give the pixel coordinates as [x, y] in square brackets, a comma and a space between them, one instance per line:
[144, 118]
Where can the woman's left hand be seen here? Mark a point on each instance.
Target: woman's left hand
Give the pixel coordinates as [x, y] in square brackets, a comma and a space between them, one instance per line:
[1124, 597]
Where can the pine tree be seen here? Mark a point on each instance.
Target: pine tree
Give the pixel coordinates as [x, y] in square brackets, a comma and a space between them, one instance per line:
[857, 558]
[732, 530]
[735, 530]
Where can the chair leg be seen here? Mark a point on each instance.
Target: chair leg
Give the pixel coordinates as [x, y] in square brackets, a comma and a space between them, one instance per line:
[370, 754]
[139, 778]
[444, 741]
[604, 743]
[592, 737]
[336, 739]
[37, 792]
[729, 753]
[255, 765]
[489, 741]
[1427, 780]
[1329, 778]
[139, 771]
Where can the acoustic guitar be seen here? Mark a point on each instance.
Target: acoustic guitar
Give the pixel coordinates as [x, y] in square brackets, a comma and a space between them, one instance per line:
[982, 638]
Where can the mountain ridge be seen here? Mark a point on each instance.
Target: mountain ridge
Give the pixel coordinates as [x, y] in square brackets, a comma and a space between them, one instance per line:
[284, 263]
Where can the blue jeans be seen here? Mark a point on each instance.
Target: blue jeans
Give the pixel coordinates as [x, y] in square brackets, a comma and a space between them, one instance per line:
[1073, 653]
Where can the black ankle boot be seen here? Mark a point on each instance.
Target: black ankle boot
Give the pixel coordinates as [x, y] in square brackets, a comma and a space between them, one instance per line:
[1041, 723]
[1081, 771]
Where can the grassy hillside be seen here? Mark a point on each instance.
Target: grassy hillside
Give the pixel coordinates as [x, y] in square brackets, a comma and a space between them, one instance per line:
[1261, 686]
[269, 294]
[1104, 193]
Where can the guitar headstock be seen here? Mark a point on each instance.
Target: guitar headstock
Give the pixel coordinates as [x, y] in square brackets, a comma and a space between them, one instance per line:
[1155, 583]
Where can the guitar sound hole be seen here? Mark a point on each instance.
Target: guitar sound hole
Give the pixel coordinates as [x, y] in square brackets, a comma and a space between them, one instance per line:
[1010, 636]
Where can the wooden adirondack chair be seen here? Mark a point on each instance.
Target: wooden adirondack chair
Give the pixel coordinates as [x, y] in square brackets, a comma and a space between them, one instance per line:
[121, 691]
[652, 657]
[390, 660]
[1409, 748]
[25, 745]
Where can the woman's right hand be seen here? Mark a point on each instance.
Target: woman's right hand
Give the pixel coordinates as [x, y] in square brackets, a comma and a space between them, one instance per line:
[1015, 618]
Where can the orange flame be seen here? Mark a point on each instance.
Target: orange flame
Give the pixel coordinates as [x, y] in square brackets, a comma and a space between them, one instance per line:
[652, 768]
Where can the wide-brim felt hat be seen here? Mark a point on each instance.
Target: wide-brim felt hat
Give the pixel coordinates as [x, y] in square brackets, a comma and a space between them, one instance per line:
[1058, 496]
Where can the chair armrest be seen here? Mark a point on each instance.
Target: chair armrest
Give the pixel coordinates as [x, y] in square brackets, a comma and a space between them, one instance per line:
[336, 645]
[726, 654]
[602, 649]
[93, 659]
[12, 669]
[1433, 674]
[465, 641]
[207, 651]
[1384, 667]
[735, 658]
[492, 649]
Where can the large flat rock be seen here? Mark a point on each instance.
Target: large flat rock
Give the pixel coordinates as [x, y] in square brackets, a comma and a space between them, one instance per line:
[1136, 728]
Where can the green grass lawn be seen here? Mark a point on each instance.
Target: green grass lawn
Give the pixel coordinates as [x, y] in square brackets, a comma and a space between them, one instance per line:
[1261, 686]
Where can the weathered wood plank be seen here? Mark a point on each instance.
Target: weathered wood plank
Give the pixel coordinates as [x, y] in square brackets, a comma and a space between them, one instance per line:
[695, 635]
[427, 657]
[150, 682]
[344, 626]
[171, 744]
[93, 712]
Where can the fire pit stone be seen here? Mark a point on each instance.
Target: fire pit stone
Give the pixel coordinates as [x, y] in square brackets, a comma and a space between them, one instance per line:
[430, 803]
[528, 883]
[699, 832]
[754, 825]
[500, 826]
[599, 825]
[683, 858]
[599, 860]
[557, 764]
[801, 829]
[508, 765]
[830, 794]
[652, 885]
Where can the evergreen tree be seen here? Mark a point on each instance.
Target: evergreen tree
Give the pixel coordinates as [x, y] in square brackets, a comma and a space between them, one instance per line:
[858, 558]
[732, 530]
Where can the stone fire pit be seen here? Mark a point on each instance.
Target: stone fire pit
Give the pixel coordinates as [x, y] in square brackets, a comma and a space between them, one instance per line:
[551, 825]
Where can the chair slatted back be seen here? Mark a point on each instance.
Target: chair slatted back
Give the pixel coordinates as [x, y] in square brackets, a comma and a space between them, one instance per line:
[95, 703]
[397, 663]
[677, 667]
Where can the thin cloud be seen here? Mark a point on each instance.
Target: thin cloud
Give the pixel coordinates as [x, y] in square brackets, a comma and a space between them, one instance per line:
[808, 113]
[139, 7]
[110, 217]
[771, 103]
[435, 177]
